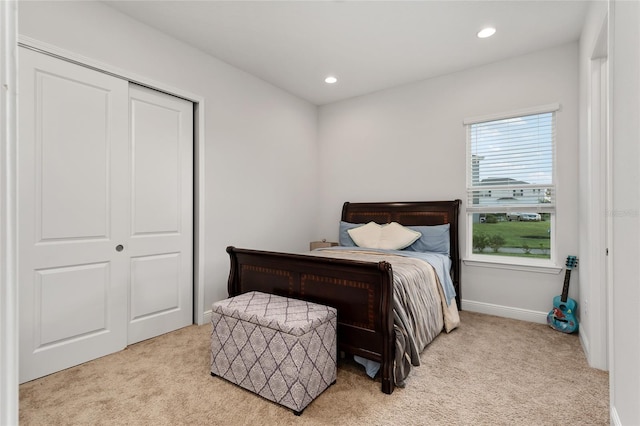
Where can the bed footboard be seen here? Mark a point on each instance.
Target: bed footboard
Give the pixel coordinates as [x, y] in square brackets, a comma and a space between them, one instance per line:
[362, 292]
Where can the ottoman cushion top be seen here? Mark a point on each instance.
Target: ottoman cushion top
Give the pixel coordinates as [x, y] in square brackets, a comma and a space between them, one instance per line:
[291, 316]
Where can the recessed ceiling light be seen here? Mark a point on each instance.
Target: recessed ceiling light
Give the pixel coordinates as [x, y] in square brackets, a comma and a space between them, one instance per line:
[486, 32]
[330, 80]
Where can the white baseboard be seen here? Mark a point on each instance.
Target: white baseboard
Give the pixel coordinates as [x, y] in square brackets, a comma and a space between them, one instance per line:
[584, 341]
[615, 419]
[504, 311]
[473, 306]
[480, 307]
[206, 317]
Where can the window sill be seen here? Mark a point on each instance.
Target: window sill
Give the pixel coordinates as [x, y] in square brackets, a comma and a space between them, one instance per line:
[543, 267]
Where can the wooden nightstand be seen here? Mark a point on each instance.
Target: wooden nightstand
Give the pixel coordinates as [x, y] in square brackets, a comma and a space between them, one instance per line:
[321, 244]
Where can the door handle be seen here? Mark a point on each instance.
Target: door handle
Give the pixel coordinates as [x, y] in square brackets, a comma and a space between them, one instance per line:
[119, 247]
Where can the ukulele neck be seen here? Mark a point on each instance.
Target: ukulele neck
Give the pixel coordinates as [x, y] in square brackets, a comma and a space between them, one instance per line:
[565, 287]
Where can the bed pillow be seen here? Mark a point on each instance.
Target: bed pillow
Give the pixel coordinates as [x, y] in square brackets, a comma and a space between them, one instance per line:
[343, 236]
[391, 236]
[434, 238]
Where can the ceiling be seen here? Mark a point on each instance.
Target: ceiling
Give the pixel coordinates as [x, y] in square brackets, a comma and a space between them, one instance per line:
[367, 45]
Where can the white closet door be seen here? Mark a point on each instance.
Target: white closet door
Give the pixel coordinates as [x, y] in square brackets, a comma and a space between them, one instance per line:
[161, 216]
[105, 206]
[72, 186]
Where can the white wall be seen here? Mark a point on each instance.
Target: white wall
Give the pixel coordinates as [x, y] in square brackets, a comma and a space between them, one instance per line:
[408, 143]
[624, 22]
[260, 148]
[592, 186]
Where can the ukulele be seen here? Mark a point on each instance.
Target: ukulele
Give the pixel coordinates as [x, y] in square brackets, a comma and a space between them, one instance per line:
[562, 316]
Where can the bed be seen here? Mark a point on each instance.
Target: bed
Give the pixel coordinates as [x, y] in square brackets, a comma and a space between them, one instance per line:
[361, 290]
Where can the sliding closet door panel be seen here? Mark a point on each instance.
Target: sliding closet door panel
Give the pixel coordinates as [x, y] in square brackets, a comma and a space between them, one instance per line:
[54, 285]
[72, 212]
[155, 130]
[72, 144]
[161, 240]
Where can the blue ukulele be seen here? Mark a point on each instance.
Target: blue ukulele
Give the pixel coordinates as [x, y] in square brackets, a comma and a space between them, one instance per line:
[563, 315]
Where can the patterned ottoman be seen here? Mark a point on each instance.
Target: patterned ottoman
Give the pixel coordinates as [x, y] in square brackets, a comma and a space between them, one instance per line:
[279, 348]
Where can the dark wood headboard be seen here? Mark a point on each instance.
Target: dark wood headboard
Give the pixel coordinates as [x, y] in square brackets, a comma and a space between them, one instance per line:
[414, 213]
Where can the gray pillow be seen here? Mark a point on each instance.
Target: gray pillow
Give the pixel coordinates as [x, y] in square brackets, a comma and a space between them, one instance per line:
[343, 237]
[434, 238]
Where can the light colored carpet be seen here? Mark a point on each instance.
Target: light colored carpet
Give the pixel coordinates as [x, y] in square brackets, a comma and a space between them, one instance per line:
[490, 371]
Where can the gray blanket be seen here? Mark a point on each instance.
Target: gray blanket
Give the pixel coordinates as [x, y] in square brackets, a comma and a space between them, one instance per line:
[417, 305]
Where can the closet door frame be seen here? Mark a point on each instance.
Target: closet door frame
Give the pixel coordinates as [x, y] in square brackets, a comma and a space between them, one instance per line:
[9, 388]
[198, 151]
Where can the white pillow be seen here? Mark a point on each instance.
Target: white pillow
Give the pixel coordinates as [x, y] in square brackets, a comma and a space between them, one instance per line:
[391, 236]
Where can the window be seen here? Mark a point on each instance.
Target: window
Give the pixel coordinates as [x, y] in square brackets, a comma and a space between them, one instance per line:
[510, 185]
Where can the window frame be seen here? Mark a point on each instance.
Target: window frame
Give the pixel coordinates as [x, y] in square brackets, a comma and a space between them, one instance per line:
[549, 265]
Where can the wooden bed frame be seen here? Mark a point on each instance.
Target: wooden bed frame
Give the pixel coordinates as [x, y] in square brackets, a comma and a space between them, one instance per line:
[362, 292]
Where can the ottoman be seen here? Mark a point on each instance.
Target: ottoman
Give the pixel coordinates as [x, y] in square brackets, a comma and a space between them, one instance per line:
[279, 348]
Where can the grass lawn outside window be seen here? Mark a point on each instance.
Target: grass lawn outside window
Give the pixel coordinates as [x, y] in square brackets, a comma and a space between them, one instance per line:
[531, 239]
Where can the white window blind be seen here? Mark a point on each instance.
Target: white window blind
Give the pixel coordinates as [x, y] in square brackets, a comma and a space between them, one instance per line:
[510, 163]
